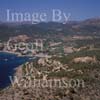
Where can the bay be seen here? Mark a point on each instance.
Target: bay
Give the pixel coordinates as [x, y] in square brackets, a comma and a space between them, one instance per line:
[8, 63]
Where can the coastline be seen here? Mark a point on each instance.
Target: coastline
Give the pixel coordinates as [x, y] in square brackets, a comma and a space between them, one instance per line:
[16, 53]
[9, 64]
[9, 52]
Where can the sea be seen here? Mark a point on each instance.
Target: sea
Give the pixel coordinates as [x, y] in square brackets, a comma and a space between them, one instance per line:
[8, 63]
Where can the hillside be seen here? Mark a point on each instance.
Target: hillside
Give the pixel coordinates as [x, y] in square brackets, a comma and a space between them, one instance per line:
[62, 70]
[87, 27]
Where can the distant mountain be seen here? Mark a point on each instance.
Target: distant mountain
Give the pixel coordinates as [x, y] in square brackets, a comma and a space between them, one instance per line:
[92, 21]
[89, 26]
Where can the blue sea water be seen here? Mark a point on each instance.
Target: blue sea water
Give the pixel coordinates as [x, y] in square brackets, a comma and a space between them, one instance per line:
[8, 62]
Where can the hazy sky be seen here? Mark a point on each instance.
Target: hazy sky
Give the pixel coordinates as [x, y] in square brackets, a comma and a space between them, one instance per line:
[79, 9]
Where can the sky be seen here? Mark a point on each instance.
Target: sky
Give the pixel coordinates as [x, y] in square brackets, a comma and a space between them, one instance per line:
[79, 9]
